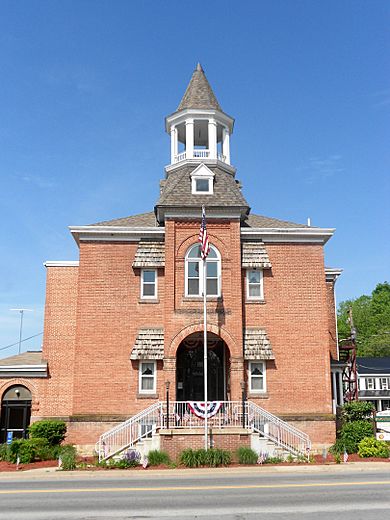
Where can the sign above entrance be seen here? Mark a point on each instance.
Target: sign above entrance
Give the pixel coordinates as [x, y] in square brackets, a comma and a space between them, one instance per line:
[200, 410]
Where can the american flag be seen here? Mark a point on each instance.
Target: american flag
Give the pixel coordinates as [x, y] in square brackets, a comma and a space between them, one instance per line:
[203, 237]
[345, 458]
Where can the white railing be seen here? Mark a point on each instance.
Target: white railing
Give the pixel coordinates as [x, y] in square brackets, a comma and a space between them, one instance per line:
[222, 157]
[128, 433]
[201, 153]
[231, 414]
[283, 434]
[180, 157]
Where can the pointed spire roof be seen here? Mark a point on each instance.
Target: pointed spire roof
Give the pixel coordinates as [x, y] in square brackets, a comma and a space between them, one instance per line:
[199, 94]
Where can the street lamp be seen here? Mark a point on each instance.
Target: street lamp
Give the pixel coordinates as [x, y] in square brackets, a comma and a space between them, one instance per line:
[167, 383]
[22, 311]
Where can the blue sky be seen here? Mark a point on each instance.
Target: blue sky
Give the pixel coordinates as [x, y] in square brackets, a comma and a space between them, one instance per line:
[84, 89]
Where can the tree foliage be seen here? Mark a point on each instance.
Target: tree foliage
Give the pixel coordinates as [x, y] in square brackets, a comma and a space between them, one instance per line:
[371, 316]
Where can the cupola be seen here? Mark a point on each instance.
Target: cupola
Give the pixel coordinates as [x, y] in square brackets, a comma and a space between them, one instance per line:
[199, 129]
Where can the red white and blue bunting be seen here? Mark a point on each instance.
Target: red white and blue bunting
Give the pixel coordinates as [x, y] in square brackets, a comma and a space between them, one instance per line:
[199, 409]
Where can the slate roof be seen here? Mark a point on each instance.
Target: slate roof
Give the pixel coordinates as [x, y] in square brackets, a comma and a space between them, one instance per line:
[257, 345]
[140, 220]
[373, 365]
[199, 93]
[149, 344]
[259, 221]
[150, 254]
[177, 190]
[26, 358]
[254, 254]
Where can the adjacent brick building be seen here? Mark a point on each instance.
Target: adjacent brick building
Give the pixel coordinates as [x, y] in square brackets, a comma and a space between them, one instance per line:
[127, 317]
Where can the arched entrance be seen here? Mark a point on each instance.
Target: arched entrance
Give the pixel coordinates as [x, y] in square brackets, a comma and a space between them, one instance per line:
[189, 368]
[15, 413]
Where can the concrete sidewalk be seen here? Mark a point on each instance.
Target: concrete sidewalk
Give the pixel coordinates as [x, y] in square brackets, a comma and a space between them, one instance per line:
[55, 474]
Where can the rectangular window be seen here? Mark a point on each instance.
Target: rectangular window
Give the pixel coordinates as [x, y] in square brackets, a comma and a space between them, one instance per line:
[370, 383]
[147, 377]
[202, 185]
[384, 383]
[254, 284]
[256, 376]
[149, 283]
[385, 404]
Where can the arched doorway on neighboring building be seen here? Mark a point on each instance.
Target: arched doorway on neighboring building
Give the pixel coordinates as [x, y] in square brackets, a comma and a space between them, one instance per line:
[189, 368]
[15, 413]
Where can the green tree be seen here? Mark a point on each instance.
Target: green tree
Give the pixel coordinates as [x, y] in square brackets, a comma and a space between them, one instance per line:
[371, 316]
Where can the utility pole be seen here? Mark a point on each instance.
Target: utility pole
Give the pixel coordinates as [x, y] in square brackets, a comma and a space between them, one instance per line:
[21, 311]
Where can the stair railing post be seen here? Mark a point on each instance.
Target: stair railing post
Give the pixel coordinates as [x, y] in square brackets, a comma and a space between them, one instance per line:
[167, 383]
[243, 397]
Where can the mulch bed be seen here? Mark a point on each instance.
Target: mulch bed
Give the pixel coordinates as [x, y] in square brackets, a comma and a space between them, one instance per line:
[87, 464]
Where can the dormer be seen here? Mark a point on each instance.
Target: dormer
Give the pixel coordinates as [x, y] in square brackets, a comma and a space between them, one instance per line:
[202, 181]
[199, 129]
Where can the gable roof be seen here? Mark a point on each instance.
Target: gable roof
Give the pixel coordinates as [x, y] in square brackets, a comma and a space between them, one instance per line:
[199, 93]
[373, 365]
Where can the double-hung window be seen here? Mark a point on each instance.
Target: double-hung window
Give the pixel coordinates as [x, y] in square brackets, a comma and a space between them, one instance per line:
[194, 272]
[254, 284]
[147, 377]
[257, 377]
[384, 383]
[370, 383]
[149, 284]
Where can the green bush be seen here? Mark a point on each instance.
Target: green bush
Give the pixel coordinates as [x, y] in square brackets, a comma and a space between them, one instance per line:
[357, 411]
[53, 431]
[68, 453]
[157, 457]
[22, 449]
[273, 460]
[246, 455]
[352, 433]
[371, 447]
[4, 452]
[213, 457]
[188, 458]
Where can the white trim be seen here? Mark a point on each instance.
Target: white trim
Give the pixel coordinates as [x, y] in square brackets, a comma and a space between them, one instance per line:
[290, 235]
[149, 297]
[24, 368]
[61, 263]
[198, 113]
[332, 273]
[140, 377]
[261, 284]
[202, 173]
[218, 260]
[264, 389]
[114, 233]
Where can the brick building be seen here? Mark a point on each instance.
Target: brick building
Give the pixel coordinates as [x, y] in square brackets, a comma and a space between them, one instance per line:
[124, 323]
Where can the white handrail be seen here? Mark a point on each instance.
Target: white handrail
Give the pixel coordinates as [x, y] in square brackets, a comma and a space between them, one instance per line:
[230, 414]
[128, 433]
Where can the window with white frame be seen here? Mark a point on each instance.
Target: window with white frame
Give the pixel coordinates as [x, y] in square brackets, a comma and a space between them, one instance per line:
[384, 383]
[254, 284]
[194, 272]
[385, 404]
[256, 376]
[147, 377]
[370, 383]
[149, 283]
[202, 181]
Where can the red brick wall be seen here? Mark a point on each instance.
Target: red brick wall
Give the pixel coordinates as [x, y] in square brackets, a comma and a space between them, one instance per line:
[331, 319]
[59, 341]
[295, 317]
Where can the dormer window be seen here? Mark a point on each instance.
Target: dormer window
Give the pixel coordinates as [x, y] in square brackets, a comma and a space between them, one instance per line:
[202, 179]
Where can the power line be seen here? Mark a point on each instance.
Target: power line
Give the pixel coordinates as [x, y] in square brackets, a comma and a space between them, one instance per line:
[25, 339]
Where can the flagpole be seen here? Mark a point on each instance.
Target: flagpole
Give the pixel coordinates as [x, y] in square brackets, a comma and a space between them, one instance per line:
[205, 353]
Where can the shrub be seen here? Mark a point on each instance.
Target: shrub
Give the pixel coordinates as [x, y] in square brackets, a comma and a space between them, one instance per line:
[67, 453]
[273, 460]
[352, 433]
[53, 431]
[371, 447]
[131, 458]
[188, 458]
[213, 457]
[157, 457]
[357, 411]
[4, 452]
[246, 455]
[41, 448]
[22, 449]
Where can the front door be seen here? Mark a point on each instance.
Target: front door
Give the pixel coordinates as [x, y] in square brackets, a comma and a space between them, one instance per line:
[15, 413]
[189, 370]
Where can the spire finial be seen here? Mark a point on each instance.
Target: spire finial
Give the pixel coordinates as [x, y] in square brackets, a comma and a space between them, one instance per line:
[199, 67]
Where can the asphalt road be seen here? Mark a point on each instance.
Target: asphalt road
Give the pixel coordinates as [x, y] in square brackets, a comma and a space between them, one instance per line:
[228, 495]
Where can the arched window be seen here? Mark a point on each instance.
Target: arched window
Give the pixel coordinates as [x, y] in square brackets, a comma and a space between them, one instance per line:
[194, 272]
